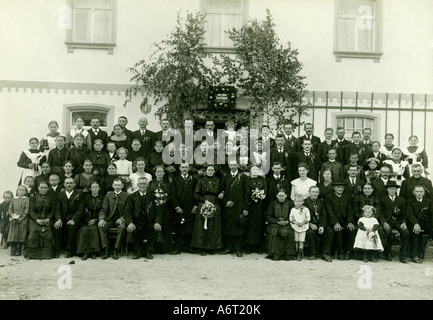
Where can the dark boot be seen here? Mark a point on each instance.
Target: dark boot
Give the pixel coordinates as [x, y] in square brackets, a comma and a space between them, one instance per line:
[374, 256]
[365, 257]
[116, 254]
[106, 254]
[300, 254]
[19, 249]
[13, 249]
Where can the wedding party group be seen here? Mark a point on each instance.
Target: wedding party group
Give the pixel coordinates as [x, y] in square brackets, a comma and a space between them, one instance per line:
[91, 193]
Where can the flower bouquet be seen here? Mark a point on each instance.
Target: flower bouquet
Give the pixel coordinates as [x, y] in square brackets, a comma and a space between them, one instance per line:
[372, 236]
[258, 194]
[207, 210]
[160, 197]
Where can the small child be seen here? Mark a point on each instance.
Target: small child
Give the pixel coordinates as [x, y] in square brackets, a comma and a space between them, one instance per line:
[372, 173]
[29, 182]
[124, 167]
[111, 149]
[367, 238]
[230, 131]
[4, 216]
[18, 211]
[299, 220]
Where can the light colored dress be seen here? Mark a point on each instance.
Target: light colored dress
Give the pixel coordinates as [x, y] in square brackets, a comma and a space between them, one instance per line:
[124, 167]
[301, 215]
[302, 187]
[18, 230]
[368, 239]
[134, 180]
[417, 155]
[35, 158]
[262, 161]
[399, 169]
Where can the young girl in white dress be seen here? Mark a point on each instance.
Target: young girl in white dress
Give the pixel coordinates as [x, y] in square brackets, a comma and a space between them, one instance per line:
[124, 167]
[49, 141]
[299, 220]
[367, 238]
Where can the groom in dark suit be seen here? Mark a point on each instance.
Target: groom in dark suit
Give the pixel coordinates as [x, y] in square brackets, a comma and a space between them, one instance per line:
[137, 219]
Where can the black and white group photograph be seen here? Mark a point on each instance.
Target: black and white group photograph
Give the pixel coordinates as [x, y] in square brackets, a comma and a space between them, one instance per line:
[232, 151]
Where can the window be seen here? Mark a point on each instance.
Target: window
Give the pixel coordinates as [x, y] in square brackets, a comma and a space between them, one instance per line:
[352, 123]
[222, 15]
[88, 112]
[93, 25]
[358, 29]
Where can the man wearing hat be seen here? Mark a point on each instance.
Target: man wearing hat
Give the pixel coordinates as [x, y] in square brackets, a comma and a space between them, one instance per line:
[393, 217]
[341, 219]
[408, 185]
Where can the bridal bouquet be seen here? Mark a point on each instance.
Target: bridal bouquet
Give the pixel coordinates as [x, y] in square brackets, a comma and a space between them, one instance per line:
[207, 210]
[258, 194]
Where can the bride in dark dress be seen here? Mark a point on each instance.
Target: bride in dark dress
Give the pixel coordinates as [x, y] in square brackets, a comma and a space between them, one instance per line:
[207, 233]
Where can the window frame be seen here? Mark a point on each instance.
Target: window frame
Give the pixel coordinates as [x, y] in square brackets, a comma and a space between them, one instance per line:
[375, 117]
[69, 109]
[378, 35]
[109, 46]
[224, 49]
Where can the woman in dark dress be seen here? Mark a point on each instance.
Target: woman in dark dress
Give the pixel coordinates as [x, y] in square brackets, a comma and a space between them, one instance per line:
[119, 138]
[280, 235]
[100, 159]
[88, 236]
[325, 184]
[40, 243]
[85, 179]
[254, 238]
[107, 181]
[207, 233]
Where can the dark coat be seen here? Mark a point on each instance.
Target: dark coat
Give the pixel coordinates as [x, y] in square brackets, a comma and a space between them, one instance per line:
[72, 208]
[108, 209]
[317, 212]
[236, 190]
[313, 162]
[137, 209]
[182, 196]
[102, 135]
[315, 142]
[409, 184]
[339, 210]
[392, 211]
[420, 213]
[147, 140]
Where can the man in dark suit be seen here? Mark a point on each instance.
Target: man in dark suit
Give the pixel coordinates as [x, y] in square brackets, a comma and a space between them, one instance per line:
[318, 230]
[69, 210]
[353, 182]
[315, 141]
[268, 142]
[292, 143]
[123, 121]
[420, 218]
[281, 154]
[234, 192]
[146, 137]
[379, 184]
[366, 139]
[408, 185]
[55, 188]
[310, 158]
[276, 181]
[96, 133]
[340, 218]
[137, 219]
[393, 217]
[356, 146]
[182, 200]
[340, 145]
[326, 145]
[167, 134]
[187, 135]
[112, 216]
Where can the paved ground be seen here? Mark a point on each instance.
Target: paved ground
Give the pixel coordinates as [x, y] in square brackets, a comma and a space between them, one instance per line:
[213, 277]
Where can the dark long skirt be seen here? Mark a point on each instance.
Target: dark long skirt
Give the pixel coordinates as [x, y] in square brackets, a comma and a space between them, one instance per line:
[40, 244]
[281, 240]
[18, 231]
[88, 239]
[256, 224]
[210, 238]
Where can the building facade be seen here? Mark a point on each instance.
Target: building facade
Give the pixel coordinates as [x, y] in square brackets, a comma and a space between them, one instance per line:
[366, 63]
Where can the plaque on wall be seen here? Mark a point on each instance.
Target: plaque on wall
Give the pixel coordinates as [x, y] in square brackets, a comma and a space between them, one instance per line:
[222, 98]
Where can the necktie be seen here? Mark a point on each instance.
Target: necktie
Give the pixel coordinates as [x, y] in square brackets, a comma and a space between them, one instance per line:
[184, 177]
[353, 182]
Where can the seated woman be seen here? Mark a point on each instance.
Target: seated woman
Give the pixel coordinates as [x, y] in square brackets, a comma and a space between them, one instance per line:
[88, 236]
[40, 243]
[280, 235]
